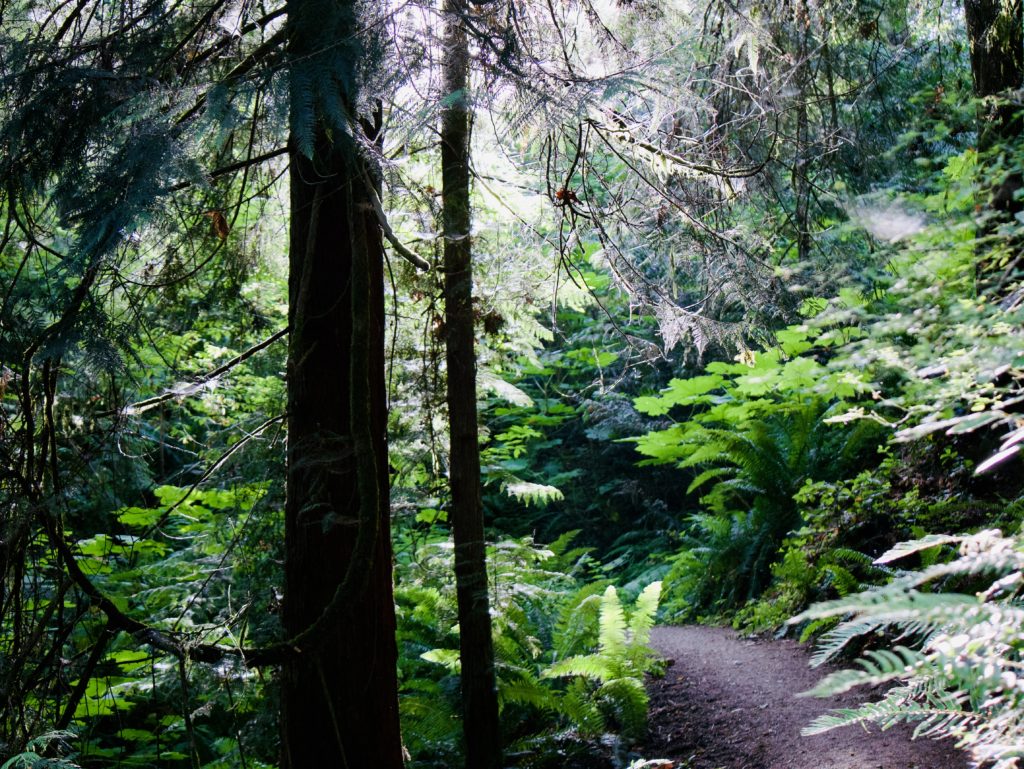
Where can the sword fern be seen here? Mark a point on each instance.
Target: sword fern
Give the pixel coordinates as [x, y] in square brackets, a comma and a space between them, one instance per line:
[966, 678]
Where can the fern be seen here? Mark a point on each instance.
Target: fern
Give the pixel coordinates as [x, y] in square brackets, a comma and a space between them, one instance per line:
[577, 621]
[915, 546]
[965, 680]
[580, 707]
[612, 635]
[533, 493]
[594, 666]
[625, 699]
[754, 473]
[644, 611]
[615, 671]
[32, 758]
[880, 666]
[565, 654]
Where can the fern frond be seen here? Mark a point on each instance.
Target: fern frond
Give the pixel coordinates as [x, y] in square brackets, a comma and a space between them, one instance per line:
[708, 475]
[903, 549]
[592, 666]
[449, 658]
[612, 626]
[831, 643]
[644, 611]
[975, 564]
[533, 493]
[527, 691]
[893, 603]
[627, 700]
[965, 679]
[580, 706]
[878, 667]
[428, 720]
[848, 555]
[891, 711]
[576, 619]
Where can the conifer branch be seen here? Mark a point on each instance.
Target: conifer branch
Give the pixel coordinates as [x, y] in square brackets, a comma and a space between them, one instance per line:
[145, 405]
[245, 66]
[232, 167]
[413, 258]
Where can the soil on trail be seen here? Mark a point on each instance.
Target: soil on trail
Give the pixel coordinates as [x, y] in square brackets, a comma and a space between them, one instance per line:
[730, 703]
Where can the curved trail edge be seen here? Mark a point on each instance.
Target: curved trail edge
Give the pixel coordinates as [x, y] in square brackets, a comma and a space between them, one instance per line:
[730, 703]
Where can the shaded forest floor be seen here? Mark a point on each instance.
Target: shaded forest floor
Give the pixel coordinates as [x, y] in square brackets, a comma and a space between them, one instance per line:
[729, 703]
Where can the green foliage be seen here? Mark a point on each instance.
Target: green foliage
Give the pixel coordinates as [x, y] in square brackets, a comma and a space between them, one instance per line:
[616, 668]
[567, 654]
[56, 744]
[963, 681]
[843, 267]
[755, 465]
[562, 436]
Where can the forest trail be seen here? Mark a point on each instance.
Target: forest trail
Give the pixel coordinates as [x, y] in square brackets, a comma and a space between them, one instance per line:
[729, 703]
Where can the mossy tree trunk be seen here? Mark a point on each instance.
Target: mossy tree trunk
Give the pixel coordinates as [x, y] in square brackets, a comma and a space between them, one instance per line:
[996, 37]
[339, 704]
[479, 694]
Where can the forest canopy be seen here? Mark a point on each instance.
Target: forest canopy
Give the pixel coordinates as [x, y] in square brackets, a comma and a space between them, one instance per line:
[373, 376]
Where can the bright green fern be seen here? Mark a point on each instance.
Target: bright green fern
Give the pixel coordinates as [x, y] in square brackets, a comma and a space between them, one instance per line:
[615, 671]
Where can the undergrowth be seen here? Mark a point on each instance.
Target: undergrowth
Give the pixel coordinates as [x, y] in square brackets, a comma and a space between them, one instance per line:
[570, 655]
[953, 663]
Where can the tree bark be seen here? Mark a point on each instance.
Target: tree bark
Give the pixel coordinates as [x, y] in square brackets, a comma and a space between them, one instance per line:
[802, 162]
[996, 37]
[995, 32]
[339, 704]
[479, 692]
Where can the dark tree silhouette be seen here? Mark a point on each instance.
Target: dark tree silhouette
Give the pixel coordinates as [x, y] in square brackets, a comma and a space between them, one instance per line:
[479, 695]
[339, 692]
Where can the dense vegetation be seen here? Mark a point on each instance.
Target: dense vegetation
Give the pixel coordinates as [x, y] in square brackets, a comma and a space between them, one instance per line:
[738, 290]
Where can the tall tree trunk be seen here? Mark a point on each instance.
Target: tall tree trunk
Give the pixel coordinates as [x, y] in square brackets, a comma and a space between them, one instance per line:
[996, 37]
[339, 704]
[802, 162]
[995, 31]
[479, 693]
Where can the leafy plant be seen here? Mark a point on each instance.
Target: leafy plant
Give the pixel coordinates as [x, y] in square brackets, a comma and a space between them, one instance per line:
[57, 744]
[615, 670]
[568, 653]
[964, 678]
[755, 470]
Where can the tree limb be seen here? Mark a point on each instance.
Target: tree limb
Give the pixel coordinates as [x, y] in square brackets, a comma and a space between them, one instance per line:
[145, 405]
[400, 248]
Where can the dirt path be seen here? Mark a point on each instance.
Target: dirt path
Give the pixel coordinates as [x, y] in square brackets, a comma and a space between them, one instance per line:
[728, 703]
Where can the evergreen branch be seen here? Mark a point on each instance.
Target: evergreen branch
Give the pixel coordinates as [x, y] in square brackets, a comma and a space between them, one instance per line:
[232, 167]
[243, 68]
[226, 40]
[196, 29]
[622, 131]
[139, 407]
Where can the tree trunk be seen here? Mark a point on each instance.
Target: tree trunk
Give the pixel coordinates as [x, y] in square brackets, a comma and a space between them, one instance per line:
[996, 37]
[995, 32]
[479, 693]
[339, 704]
[802, 162]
